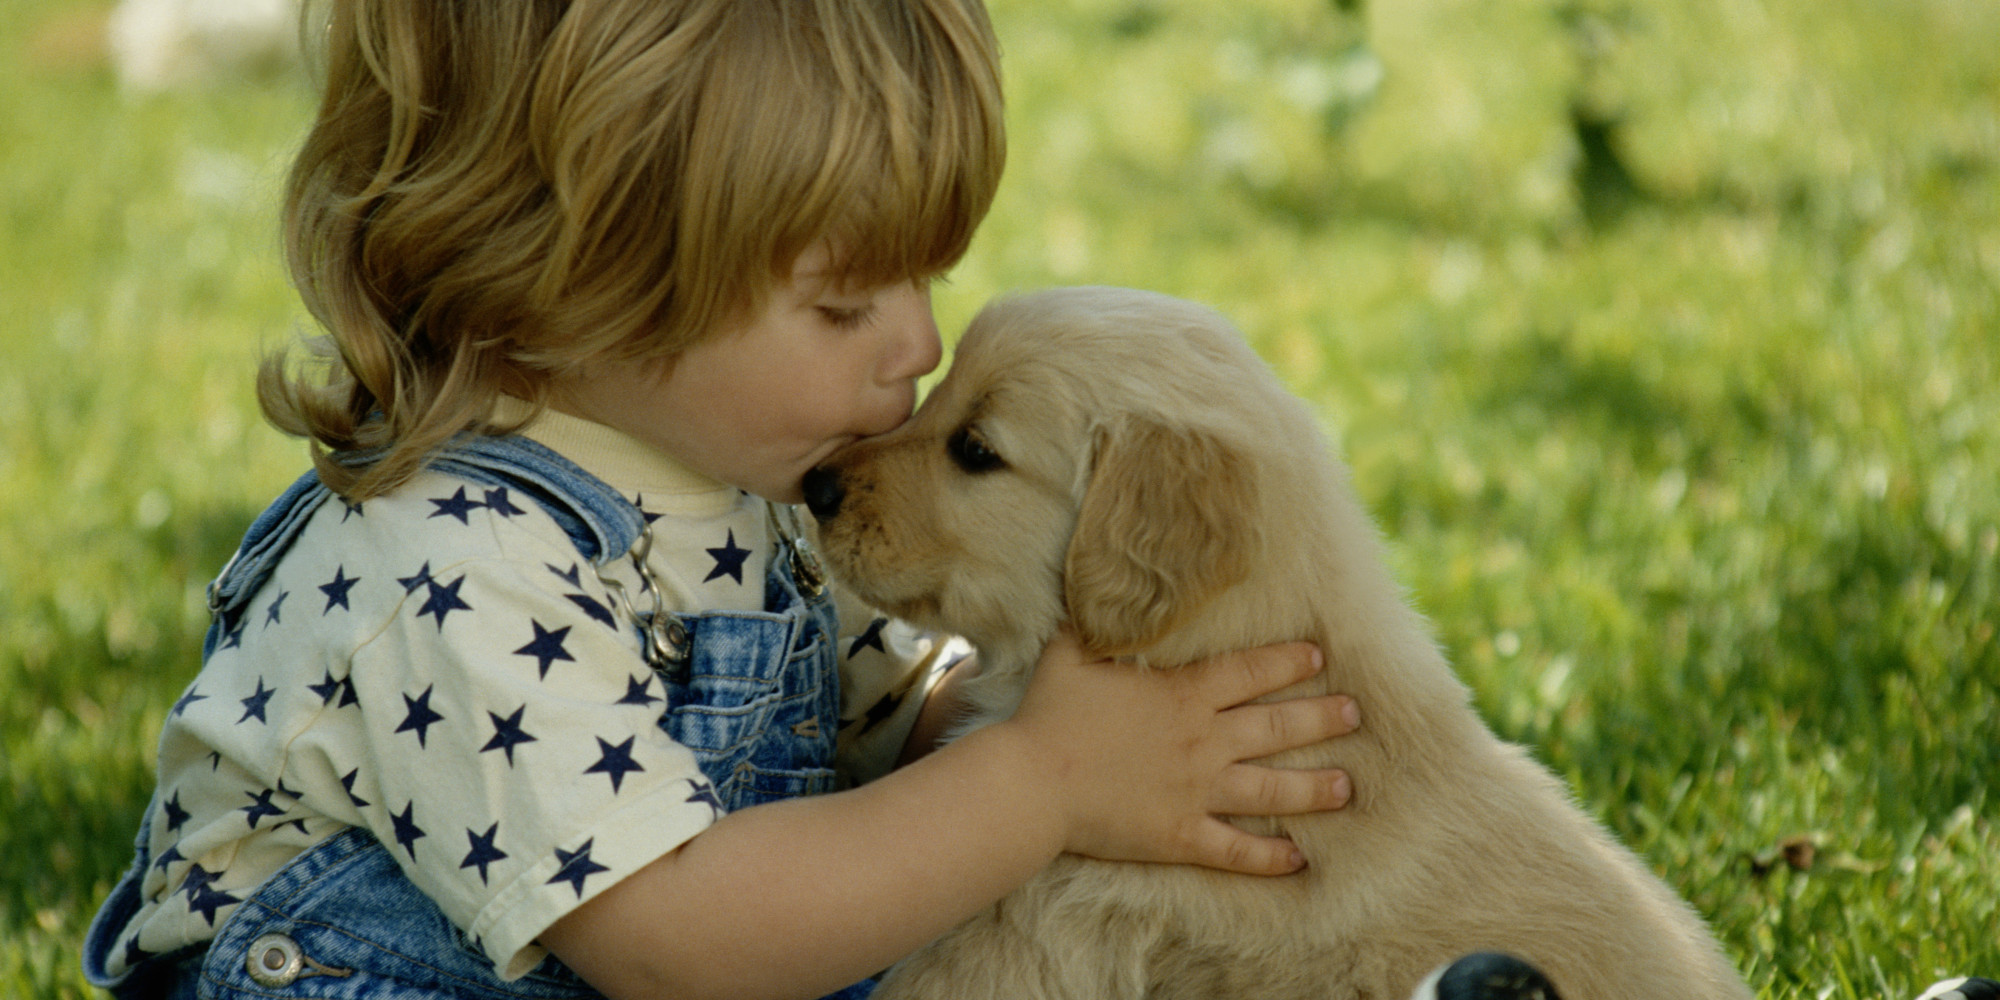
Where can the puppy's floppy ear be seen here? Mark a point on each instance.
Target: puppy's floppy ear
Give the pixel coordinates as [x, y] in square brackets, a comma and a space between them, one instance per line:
[1165, 526]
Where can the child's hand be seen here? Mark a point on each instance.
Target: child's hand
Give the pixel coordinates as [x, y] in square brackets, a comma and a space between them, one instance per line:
[1144, 762]
[1102, 759]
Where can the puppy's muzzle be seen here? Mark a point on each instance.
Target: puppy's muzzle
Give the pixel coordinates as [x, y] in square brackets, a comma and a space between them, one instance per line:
[824, 491]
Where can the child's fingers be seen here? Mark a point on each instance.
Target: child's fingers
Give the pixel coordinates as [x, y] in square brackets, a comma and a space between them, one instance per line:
[1263, 729]
[1234, 678]
[1216, 844]
[1251, 790]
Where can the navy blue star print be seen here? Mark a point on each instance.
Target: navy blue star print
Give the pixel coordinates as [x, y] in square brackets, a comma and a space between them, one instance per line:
[347, 782]
[168, 857]
[594, 609]
[704, 793]
[201, 898]
[640, 502]
[326, 689]
[411, 583]
[135, 954]
[407, 830]
[175, 814]
[352, 509]
[232, 637]
[872, 636]
[508, 734]
[253, 706]
[443, 601]
[196, 879]
[260, 806]
[497, 502]
[483, 852]
[639, 691]
[456, 506]
[615, 761]
[189, 698]
[271, 613]
[728, 560]
[336, 591]
[547, 647]
[576, 867]
[420, 716]
[206, 901]
[383, 640]
[880, 712]
[590, 605]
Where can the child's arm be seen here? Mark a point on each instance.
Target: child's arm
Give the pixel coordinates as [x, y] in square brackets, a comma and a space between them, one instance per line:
[802, 897]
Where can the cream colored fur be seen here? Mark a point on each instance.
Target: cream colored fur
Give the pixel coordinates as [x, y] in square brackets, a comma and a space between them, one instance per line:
[1161, 491]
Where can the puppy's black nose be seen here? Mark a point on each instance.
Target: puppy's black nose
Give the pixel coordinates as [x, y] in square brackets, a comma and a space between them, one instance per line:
[823, 491]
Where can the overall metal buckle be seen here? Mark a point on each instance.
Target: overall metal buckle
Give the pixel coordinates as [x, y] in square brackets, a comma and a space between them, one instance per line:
[663, 637]
[807, 570]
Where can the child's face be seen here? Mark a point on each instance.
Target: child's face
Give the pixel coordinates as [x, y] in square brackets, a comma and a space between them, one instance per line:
[757, 406]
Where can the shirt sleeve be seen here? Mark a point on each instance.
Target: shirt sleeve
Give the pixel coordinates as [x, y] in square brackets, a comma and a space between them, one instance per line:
[514, 765]
[887, 670]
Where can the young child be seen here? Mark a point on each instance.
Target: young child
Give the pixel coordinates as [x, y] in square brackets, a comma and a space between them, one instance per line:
[536, 660]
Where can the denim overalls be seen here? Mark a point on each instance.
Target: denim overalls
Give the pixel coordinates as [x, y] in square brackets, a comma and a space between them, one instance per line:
[754, 695]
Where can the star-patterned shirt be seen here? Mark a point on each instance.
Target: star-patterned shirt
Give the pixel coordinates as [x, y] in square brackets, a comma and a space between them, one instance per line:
[440, 666]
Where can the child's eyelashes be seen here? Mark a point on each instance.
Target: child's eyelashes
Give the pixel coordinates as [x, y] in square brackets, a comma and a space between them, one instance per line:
[855, 307]
[847, 317]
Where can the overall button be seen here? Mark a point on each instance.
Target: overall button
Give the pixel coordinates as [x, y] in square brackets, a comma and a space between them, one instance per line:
[275, 960]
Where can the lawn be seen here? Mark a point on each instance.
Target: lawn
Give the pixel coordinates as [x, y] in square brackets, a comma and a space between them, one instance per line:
[1663, 336]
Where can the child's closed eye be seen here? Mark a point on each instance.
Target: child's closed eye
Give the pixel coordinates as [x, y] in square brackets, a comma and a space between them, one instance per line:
[847, 317]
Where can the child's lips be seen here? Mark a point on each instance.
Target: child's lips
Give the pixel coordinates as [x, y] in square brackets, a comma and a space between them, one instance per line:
[836, 445]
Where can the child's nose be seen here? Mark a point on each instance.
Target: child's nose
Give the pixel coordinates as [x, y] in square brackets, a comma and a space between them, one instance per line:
[919, 347]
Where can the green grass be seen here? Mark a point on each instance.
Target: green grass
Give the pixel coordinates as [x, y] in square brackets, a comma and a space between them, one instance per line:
[1695, 465]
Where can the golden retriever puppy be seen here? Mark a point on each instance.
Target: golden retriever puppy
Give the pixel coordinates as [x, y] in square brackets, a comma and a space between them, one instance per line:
[1123, 462]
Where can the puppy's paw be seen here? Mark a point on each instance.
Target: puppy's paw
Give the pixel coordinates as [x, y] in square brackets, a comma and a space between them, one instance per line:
[1487, 976]
[1964, 988]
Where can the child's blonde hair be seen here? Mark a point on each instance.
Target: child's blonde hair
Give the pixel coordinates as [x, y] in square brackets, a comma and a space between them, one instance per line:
[497, 192]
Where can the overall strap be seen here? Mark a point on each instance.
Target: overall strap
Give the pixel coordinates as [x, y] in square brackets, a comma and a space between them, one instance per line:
[599, 521]
[263, 544]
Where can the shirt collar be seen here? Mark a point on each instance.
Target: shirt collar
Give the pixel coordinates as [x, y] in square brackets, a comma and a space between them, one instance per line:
[630, 465]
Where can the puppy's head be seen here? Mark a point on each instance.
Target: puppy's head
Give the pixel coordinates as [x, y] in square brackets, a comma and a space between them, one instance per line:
[1079, 462]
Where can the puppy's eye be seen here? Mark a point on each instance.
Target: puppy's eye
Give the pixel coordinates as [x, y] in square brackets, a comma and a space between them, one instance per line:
[971, 453]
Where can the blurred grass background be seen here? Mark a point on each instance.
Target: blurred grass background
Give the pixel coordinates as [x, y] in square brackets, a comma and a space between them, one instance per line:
[1661, 335]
